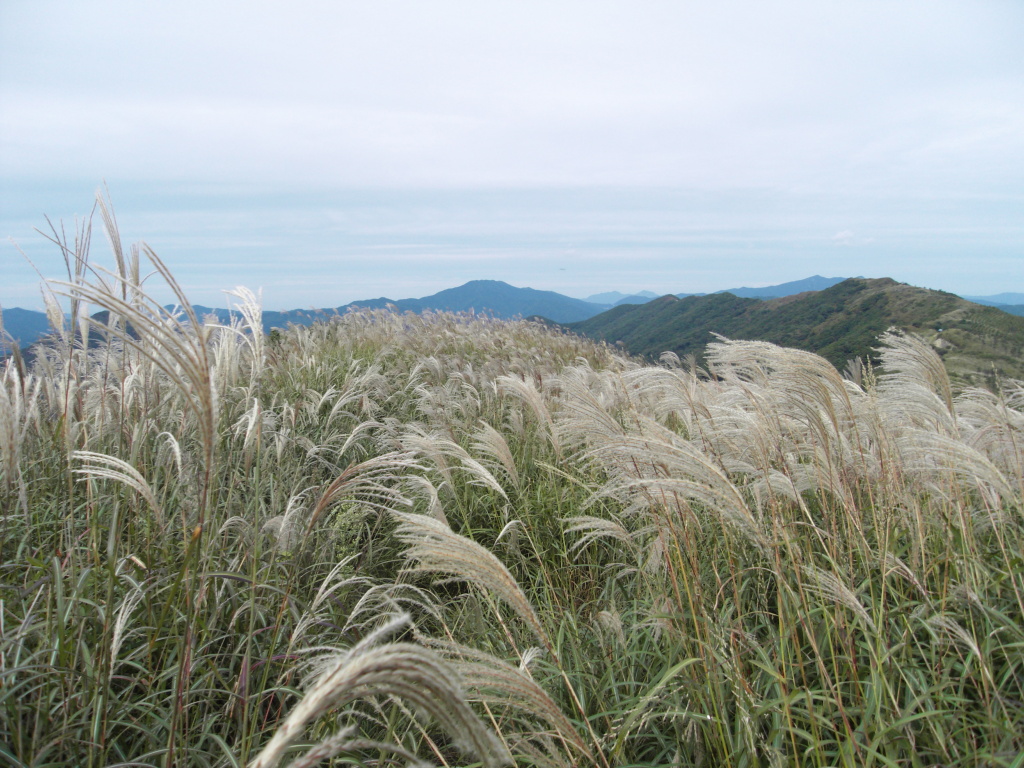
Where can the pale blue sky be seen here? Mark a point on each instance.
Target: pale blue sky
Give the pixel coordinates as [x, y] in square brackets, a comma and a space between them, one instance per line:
[333, 151]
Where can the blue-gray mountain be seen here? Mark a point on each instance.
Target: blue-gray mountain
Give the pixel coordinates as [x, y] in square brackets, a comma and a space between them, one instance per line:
[998, 299]
[496, 298]
[23, 327]
[612, 298]
[813, 283]
[1008, 302]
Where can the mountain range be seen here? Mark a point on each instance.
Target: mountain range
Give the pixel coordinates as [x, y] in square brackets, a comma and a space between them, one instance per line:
[1008, 302]
[837, 317]
[487, 296]
[492, 296]
[813, 283]
[23, 326]
[839, 323]
[614, 298]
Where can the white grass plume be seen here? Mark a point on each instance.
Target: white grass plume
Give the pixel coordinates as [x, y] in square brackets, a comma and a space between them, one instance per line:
[409, 672]
[668, 468]
[436, 548]
[123, 615]
[531, 396]
[18, 409]
[368, 482]
[491, 443]
[496, 683]
[251, 307]
[829, 585]
[180, 349]
[99, 465]
[947, 629]
[594, 529]
[909, 360]
[995, 425]
[440, 449]
[938, 460]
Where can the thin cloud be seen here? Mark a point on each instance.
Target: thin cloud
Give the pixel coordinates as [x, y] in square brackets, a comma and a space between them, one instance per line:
[527, 94]
[711, 139]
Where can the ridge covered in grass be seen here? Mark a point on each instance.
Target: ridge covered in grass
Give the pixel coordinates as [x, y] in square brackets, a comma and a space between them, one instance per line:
[979, 344]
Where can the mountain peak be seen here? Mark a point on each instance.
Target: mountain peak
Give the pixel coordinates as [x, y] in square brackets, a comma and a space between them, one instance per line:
[483, 283]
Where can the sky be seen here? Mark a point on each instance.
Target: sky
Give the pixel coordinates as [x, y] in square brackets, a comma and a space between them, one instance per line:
[331, 151]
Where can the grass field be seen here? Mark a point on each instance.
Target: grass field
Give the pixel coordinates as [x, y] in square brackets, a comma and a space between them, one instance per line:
[450, 540]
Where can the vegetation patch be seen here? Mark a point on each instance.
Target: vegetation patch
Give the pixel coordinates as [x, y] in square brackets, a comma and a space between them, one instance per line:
[456, 540]
[841, 323]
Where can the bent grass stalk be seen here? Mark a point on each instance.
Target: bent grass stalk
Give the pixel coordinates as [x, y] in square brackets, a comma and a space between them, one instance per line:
[404, 670]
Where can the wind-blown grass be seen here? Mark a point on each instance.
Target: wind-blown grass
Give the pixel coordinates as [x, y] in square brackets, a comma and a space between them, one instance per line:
[207, 536]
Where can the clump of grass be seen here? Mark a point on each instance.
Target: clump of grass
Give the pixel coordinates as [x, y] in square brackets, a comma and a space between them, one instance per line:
[395, 669]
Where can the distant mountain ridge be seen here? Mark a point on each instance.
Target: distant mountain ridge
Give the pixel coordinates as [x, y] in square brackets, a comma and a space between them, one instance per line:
[489, 296]
[24, 326]
[1008, 302]
[636, 298]
[486, 296]
[813, 283]
[998, 299]
[839, 323]
[611, 298]
[497, 298]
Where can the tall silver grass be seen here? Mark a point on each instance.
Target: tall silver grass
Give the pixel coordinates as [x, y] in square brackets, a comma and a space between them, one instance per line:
[760, 563]
[394, 669]
[19, 408]
[179, 345]
[434, 548]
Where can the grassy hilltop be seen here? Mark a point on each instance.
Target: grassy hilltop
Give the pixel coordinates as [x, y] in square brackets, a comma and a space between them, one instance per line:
[840, 323]
[454, 540]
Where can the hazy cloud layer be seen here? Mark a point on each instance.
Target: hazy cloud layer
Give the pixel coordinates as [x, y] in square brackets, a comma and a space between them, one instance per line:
[244, 127]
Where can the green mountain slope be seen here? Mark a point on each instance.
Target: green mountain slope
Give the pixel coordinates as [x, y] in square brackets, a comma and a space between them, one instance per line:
[839, 323]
